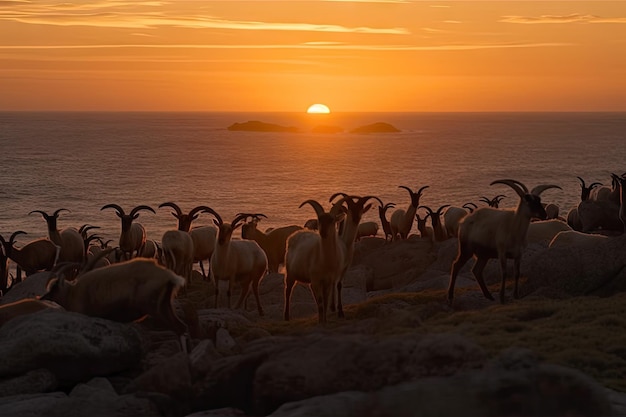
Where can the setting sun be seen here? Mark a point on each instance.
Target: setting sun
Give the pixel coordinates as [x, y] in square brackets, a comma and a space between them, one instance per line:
[318, 109]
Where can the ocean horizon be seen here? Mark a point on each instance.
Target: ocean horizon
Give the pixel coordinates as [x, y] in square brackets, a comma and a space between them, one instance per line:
[84, 160]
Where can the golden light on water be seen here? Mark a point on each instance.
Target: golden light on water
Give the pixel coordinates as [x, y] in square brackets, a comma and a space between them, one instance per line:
[318, 109]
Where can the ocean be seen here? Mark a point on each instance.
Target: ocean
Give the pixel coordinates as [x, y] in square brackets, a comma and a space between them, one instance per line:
[81, 161]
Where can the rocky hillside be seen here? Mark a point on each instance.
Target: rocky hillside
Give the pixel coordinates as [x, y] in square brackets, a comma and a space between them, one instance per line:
[559, 350]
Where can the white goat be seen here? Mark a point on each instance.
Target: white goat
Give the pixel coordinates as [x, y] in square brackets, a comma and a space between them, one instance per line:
[273, 243]
[497, 233]
[124, 292]
[37, 255]
[241, 261]
[133, 235]
[402, 220]
[571, 237]
[316, 259]
[544, 231]
[69, 239]
[453, 216]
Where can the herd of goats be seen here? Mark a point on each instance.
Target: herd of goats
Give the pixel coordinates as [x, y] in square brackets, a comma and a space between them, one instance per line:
[140, 277]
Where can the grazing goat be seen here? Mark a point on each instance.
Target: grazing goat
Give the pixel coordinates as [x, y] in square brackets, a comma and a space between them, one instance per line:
[273, 243]
[133, 235]
[69, 239]
[241, 261]
[37, 255]
[124, 292]
[366, 229]
[382, 213]
[440, 233]
[402, 220]
[497, 233]
[316, 259]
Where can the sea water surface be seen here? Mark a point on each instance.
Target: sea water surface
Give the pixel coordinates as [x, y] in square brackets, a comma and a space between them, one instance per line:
[83, 160]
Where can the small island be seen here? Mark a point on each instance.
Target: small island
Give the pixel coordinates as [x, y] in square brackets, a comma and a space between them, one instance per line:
[257, 126]
[379, 127]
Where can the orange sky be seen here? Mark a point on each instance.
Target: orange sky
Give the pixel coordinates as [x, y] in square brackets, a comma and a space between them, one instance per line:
[285, 55]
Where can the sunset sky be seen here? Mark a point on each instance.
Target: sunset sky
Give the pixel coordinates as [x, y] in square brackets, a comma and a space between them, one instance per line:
[286, 55]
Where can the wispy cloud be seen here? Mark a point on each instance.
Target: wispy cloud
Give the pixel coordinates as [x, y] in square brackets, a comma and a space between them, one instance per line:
[120, 14]
[308, 45]
[570, 18]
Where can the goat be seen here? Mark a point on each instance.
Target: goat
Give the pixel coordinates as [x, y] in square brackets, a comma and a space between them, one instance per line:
[571, 237]
[273, 243]
[426, 232]
[124, 292]
[439, 231]
[366, 229]
[497, 233]
[178, 246]
[355, 209]
[573, 219]
[622, 198]
[544, 231]
[69, 239]
[240, 261]
[453, 216]
[402, 220]
[133, 235]
[316, 259]
[494, 202]
[382, 213]
[311, 224]
[37, 255]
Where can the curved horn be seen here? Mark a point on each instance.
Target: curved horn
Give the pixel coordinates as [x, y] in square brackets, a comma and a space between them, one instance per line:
[363, 200]
[582, 182]
[194, 211]
[594, 184]
[179, 212]
[441, 208]
[319, 210]
[56, 213]
[332, 197]
[427, 208]
[484, 200]
[406, 188]
[541, 188]
[256, 216]
[118, 209]
[239, 217]
[141, 207]
[517, 186]
[12, 238]
[43, 213]
[421, 190]
[214, 213]
[469, 203]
